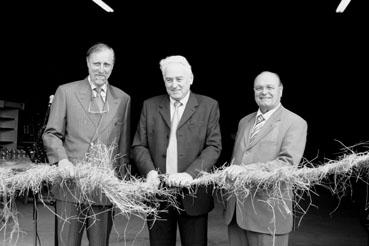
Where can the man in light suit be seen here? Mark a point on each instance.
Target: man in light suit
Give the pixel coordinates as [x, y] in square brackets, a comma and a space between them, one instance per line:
[83, 113]
[276, 137]
[178, 134]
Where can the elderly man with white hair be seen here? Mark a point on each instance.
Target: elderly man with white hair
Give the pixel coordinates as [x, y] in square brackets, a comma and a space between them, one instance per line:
[178, 134]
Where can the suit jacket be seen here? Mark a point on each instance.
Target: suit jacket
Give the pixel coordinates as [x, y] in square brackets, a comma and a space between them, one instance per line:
[282, 139]
[71, 128]
[198, 142]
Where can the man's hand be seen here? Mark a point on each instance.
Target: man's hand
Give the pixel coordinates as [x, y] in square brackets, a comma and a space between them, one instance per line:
[152, 178]
[233, 171]
[179, 179]
[67, 167]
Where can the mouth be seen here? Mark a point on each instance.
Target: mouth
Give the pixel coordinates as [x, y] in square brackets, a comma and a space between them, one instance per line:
[100, 76]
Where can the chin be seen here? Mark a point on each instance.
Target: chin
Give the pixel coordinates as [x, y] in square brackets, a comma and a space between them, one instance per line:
[100, 82]
[176, 96]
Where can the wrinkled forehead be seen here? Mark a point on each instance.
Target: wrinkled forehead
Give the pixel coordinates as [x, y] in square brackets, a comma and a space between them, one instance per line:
[267, 78]
[102, 55]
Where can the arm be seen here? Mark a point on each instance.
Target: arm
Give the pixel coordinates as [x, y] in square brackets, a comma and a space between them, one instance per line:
[293, 144]
[213, 145]
[140, 149]
[125, 139]
[54, 134]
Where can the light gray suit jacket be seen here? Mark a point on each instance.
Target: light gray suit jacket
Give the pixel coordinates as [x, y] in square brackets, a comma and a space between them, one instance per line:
[71, 128]
[281, 139]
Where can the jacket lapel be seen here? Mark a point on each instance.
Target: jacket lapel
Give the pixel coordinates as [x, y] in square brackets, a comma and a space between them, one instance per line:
[246, 129]
[84, 95]
[189, 110]
[164, 110]
[112, 102]
[269, 125]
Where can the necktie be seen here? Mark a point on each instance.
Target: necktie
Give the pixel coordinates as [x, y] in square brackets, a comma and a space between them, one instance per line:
[98, 99]
[258, 125]
[172, 155]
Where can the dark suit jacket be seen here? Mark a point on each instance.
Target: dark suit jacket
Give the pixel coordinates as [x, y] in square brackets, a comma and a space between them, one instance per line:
[71, 127]
[198, 142]
[282, 139]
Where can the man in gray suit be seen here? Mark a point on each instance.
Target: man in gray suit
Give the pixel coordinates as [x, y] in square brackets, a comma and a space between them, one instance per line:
[274, 136]
[83, 113]
[178, 134]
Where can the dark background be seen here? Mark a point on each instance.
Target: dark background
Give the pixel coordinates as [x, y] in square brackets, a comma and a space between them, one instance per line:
[320, 55]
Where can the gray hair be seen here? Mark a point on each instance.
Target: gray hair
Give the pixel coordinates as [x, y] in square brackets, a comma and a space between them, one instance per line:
[175, 59]
[99, 47]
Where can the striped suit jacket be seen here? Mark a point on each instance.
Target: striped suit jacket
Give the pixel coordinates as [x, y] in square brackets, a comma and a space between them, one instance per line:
[71, 128]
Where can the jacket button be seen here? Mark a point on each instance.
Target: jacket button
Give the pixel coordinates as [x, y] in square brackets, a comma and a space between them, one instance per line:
[164, 155]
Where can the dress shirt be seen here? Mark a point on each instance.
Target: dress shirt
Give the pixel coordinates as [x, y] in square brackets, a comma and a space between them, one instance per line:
[181, 108]
[103, 89]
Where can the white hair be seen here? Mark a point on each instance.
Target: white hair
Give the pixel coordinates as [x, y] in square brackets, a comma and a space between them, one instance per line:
[175, 59]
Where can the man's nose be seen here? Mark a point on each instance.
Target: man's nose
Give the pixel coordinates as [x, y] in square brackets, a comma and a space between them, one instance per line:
[174, 84]
[101, 69]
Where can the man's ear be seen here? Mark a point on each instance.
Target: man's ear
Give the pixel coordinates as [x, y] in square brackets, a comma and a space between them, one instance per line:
[191, 79]
[281, 88]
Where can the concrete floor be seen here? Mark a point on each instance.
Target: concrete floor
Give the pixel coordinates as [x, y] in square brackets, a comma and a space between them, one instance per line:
[317, 227]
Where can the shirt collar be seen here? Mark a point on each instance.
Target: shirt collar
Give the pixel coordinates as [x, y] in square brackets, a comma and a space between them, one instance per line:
[93, 86]
[184, 100]
[267, 115]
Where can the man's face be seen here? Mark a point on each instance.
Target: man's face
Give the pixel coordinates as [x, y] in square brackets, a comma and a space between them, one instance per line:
[268, 91]
[177, 81]
[100, 65]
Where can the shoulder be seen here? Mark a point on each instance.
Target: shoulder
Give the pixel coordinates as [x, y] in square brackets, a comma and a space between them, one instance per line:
[247, 118]
[201, 99]
[119, 93]
[290, 116]
[155, 100]
[71, 87]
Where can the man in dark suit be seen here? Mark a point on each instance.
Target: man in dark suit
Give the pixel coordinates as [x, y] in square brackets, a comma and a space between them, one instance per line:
[276, 137]
[83, 113]
[178, 134]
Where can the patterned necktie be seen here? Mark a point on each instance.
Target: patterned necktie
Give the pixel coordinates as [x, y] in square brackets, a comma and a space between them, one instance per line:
[172, 155]
[258, 125]
[98, 99]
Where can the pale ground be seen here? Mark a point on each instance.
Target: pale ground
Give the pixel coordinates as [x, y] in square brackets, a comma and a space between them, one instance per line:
[317, 228]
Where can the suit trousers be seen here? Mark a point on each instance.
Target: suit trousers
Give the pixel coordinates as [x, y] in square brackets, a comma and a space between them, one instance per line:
[193, 230]
[240, 237]
[97, 220]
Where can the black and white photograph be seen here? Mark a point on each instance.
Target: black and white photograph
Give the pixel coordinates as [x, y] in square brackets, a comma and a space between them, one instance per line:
[184, 123]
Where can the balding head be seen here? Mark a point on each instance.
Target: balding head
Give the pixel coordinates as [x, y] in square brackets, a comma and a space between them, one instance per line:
[266, 75]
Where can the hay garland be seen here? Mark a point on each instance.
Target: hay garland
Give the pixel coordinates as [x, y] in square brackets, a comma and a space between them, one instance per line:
[130, 196]
[270, 174]
[134, 196]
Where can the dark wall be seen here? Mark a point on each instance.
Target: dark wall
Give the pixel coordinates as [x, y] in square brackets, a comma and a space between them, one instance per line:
[321, 57]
